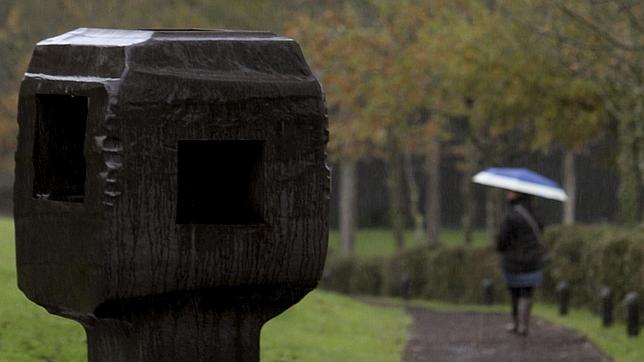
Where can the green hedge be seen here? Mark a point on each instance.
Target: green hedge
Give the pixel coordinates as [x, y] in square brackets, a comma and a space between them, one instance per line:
[588, 257]
[450, 273]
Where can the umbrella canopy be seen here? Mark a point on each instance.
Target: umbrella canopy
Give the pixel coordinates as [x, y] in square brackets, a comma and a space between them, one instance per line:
[521, 180]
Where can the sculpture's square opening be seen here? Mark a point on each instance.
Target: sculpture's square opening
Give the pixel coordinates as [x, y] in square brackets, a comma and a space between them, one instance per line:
[219, 182]
[58, 155]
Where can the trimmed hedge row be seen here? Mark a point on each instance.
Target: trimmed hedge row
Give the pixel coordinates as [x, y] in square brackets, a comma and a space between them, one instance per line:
[445, 273]
[593, 256]
[588, 257]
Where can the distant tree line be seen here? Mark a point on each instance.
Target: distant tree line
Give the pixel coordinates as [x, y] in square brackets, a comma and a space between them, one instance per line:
[520, 76]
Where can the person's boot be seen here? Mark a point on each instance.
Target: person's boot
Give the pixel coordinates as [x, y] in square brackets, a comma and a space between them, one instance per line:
[524, 308]
[512, 327]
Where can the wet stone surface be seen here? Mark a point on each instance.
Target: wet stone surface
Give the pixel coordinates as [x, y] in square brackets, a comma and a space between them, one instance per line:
[482, 337]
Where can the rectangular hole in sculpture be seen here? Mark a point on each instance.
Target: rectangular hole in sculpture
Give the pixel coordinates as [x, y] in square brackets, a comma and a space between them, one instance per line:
[58, 155]
[219, 182]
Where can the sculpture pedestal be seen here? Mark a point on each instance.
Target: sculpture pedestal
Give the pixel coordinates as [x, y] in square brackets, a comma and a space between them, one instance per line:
[174, 328]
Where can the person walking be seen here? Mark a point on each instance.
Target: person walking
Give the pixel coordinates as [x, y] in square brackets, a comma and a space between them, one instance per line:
[520, 244]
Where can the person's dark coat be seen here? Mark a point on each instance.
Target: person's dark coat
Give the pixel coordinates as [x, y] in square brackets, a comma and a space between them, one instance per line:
[521, 250]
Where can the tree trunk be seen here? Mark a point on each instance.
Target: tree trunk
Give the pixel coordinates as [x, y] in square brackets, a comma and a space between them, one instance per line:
[493, 205]
[414, 199]
[467, 189]
[570, 186]
[348, 207]
[395, 189]
[433, 200]
[630, 182]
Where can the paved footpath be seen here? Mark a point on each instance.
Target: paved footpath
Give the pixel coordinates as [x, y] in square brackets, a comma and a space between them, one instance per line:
[480, 337]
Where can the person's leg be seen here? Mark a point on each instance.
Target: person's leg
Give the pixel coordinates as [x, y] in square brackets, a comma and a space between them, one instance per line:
[524, 307]
[514, 293]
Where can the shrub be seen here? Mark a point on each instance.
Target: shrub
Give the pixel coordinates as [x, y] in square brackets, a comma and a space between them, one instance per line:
[445, 273]
[590, 257]
[367, 276]
[337, 275]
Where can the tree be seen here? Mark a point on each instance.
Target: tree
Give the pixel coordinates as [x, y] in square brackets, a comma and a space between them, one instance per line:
[374, 87]
[603, 42]
[392, 75]
[329, 41]
[516, 95]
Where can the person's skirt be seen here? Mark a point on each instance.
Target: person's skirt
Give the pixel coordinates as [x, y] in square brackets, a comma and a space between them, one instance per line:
[523, 280]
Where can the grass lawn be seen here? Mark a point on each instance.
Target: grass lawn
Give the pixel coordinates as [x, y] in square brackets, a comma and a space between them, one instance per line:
[27, 331]
[380, 242]
[323, 327]
[330, 327]
[612, 340]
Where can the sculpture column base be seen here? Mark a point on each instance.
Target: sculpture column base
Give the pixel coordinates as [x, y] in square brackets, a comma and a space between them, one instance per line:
[169, 329]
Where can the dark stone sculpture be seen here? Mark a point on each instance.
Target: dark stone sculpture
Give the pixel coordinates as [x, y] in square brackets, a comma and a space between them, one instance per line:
[171, 188]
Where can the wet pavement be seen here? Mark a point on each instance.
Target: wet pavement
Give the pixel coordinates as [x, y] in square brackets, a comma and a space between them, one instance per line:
[456, 336]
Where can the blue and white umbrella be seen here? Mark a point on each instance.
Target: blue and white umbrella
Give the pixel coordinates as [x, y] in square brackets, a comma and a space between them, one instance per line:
[521, 180]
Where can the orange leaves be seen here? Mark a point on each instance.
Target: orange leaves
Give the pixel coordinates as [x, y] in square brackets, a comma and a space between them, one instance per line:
[347, 57]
